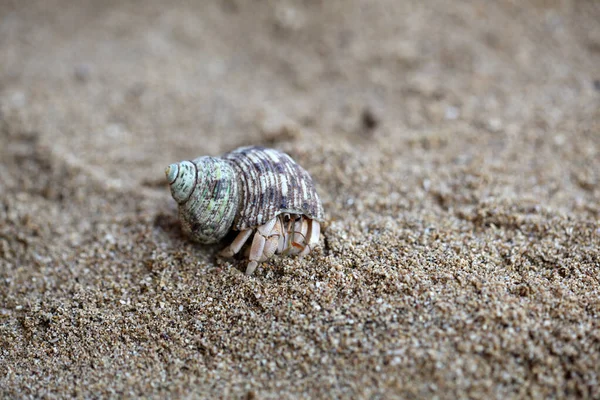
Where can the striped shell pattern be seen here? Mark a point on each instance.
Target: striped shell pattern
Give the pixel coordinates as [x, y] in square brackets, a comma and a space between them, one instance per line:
[271, 183]
[242, 189]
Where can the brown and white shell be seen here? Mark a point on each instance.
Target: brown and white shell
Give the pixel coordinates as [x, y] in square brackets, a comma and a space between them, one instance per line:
[271, 183]
[242, 189]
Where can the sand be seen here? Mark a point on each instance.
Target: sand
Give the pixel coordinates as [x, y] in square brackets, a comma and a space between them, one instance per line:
[456, 148]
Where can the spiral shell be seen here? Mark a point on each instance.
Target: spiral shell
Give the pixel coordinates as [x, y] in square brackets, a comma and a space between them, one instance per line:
[271, 183]
[242, 189]
[207, 192]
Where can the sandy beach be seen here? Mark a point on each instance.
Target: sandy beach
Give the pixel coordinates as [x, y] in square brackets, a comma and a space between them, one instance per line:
[455, 147]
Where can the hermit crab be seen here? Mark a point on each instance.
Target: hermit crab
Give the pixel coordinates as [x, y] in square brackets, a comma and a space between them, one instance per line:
[254, 190]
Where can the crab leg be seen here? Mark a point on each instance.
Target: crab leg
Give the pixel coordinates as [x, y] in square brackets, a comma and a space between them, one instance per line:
[283, 239]
[273, 241]
[314, 231]
[257, 250]
[266, 228]
[237, 243]
[298, 243]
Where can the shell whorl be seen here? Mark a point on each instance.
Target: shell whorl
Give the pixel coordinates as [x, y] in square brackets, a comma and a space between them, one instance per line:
[271, 183]
[206, 190]
[182, 179]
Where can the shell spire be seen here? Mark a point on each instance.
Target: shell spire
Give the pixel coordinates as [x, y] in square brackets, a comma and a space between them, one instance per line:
[206, 190]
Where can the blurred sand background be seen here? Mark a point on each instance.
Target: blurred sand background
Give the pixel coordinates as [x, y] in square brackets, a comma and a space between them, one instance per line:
[456, 148]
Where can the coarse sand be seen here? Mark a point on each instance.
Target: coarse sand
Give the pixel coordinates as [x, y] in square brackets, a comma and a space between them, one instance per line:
[455, 145]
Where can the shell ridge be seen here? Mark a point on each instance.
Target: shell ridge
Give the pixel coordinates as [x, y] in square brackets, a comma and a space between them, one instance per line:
[209, 212]
[262, 176]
